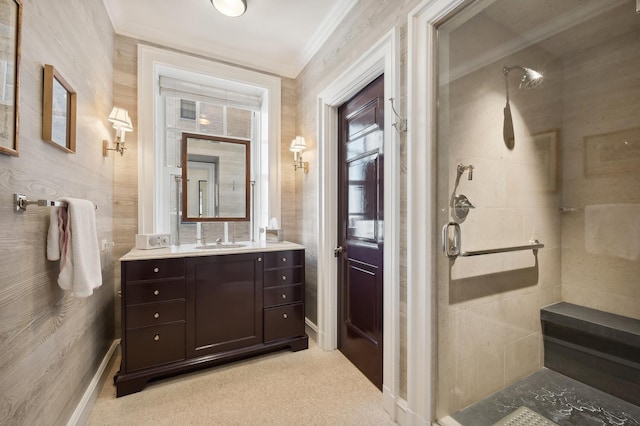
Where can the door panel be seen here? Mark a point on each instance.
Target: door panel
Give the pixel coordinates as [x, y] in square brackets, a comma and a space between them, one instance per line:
[361, 218]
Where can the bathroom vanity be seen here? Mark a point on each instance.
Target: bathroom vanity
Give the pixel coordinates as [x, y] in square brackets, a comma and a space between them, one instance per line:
[186, 308]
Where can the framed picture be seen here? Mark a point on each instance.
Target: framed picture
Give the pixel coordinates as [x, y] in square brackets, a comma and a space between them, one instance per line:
[546, 149]
[11, 25]
[612, 153]
[58, 111]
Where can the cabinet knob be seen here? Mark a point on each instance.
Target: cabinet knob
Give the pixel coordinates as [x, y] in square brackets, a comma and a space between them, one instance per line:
[285, 316]
[259, 259]
[156, 315]
[156, 292]
[284, 296]
[284, 259]
[156, 269]
[284, 278]
[156, 337]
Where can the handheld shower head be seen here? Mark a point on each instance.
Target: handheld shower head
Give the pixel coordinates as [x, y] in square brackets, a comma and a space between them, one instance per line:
[530, 79]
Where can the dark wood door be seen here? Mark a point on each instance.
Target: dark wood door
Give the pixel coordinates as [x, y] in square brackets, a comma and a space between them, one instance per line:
[224, 303]
[361, 220]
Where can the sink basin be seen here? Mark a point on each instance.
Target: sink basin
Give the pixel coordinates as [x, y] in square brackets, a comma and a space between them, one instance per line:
[215, 246]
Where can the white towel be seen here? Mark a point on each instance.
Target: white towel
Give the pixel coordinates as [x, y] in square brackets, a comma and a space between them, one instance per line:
[613, 230]
[80, 270]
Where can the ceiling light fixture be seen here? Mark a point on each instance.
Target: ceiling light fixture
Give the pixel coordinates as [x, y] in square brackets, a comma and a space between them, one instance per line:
[232, 8]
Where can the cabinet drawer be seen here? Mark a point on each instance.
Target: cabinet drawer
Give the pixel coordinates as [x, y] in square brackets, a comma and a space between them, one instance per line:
[280, 277]
[154, 314]
[284, 295]
[283, 259]
[154, 269]
[283, 322]
[154, 291]
[152, 346]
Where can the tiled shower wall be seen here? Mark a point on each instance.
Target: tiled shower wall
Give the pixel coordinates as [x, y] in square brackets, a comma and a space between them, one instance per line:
[601, 237]
[488, 306]
[489, 333]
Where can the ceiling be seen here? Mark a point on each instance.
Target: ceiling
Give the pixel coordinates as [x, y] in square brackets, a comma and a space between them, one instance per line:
[276, 36]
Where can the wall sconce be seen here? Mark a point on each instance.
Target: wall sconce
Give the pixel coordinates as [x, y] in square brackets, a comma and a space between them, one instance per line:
[122, 123]
[297, 146]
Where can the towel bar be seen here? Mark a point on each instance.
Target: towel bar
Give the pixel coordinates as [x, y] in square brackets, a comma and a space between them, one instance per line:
[21, 202]
[452, 249]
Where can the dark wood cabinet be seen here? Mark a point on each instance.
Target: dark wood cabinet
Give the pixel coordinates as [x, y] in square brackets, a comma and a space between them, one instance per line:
[224, 303]
[183, 314]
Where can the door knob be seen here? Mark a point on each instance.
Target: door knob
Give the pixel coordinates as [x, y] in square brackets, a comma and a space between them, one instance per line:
[337, 251]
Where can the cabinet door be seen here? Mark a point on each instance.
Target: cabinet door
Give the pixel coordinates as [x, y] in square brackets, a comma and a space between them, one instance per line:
[224, 303]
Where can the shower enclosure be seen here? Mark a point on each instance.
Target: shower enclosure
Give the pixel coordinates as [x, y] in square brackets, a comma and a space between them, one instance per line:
[560, 165]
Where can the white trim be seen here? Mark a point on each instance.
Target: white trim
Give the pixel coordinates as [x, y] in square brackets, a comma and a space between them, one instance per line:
[149, 60]
[421, 209]
[83, 409]
[382, 58]
[325, 29]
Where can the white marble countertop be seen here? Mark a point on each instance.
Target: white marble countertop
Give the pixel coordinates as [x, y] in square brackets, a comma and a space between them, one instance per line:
[190, 250]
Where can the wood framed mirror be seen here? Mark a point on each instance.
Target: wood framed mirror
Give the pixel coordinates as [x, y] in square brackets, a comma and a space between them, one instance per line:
[11, 22]
[58, 111]
[215, 178]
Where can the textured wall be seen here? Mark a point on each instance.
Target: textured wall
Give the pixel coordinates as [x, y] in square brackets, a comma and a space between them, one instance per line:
[50, 343]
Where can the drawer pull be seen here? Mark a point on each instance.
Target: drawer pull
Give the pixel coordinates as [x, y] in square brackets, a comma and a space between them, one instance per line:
[284, 259]
[156, 337]
[284, 296]
[156, 292]
[284, 278]
[156, 315]
[156, 269]
[285, 316]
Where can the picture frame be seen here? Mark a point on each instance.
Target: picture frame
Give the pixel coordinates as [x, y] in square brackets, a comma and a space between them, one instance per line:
[616, 152]
[11, 22]
[546, 148]
[59, 105]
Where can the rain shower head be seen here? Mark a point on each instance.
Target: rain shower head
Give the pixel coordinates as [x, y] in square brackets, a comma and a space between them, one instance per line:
[530, 77]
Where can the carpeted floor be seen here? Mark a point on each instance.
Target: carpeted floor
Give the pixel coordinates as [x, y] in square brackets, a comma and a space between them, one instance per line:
[310, 387]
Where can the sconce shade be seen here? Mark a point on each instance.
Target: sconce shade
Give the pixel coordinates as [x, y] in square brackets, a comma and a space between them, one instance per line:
[119, 117]
[298, 144]
[232, 8]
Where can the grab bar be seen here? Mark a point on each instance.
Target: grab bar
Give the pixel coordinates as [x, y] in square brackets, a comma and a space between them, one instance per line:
[454, 250]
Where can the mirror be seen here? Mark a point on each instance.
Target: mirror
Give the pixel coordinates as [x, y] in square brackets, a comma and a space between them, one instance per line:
[10, 22]
[215, 178]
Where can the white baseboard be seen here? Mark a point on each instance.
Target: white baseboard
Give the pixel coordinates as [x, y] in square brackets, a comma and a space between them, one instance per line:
[311, 329]
[82, 411]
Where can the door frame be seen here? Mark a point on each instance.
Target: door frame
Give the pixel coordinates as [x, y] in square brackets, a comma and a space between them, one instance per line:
[422, 92]
[381, 58]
